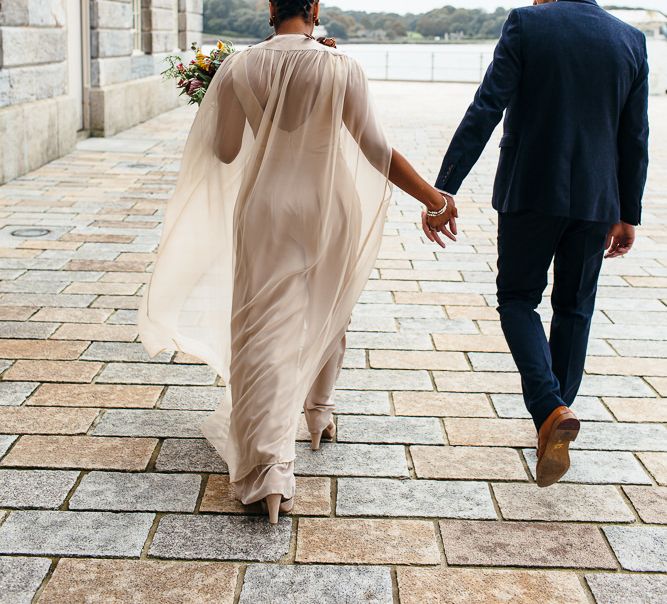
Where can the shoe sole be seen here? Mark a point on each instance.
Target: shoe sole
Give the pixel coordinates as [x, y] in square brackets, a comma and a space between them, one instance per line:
[555, 462]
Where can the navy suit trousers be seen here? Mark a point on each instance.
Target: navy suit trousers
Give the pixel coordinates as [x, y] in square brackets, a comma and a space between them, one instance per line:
[528, 241]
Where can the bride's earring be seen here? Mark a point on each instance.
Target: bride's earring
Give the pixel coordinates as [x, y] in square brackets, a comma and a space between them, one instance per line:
[272, 21]
[317, 21]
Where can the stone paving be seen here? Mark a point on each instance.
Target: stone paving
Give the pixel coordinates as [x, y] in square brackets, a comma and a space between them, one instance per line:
[108, 493]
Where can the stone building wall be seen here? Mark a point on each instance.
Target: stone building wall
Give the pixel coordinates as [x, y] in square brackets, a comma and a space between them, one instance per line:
[111, 82]
[36, 115]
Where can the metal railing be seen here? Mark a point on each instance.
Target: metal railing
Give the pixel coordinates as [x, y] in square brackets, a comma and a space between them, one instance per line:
[425, 66]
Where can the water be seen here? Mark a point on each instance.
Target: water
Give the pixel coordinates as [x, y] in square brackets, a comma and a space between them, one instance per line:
[458, 62]
[423, 62]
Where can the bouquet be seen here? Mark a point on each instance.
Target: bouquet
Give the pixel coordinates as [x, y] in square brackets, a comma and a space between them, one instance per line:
[194, 79]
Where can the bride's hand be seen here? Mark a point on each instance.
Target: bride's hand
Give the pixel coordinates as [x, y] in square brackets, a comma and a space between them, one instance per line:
[445, 223]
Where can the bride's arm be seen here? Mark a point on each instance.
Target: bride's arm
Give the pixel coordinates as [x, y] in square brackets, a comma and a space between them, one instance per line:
[360, 119]
[405, 177]
[231, 121]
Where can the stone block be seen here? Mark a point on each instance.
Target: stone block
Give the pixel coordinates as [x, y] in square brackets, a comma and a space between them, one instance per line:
[110, 14]
[361, 401]
[6, 441]
[366, 541]
[15, 393]
[14, 12]
[106, 72]
[36, 82]
[114, 108]
[562, 502]
[316, 584]
[154, 373]
[656, 464]
[110, 43]
[20, 578]
[34, 132]
[94, 395]
[610, 436]
[481, 543]
[313, 497]
[208, 537]
[466, 585]
[41, 489]
[624, 588]
[35, 420]
[650, 503]
[103, 534]
[467, 463]
[123, 581]
[598, 467]
[85, 452]
[390, 429]
[136, 492]
[189, 455]
[418, 498]
[349, 459]
[639, 548]
[384, 379]
[21, 46]
[46, 13]
[197, 398]
[156, 422]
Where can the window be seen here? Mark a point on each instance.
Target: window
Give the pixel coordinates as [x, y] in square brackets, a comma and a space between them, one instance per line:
[136, 24]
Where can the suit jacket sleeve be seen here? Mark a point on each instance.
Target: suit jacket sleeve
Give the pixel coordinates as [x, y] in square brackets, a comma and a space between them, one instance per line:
[633, 146]
[491, 99]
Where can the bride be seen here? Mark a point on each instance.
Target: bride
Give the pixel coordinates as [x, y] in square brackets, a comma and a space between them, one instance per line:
[269, 239]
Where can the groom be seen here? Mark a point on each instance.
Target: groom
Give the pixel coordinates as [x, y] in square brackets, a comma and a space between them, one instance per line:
[570, 179]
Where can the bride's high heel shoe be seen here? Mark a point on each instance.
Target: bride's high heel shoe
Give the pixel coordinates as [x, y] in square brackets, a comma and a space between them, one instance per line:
[275, 503]
[329, 432]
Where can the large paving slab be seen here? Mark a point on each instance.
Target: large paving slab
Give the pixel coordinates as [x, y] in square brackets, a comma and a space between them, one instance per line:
[640, 548]
[625, 588]
[151, 492]
[351, 459]
[39, 489]
[427, 493]
[316, 584]
[464, 585]
[86, 452]
[471, 542]
[204, 537]
[598, 467]
[562, 502]
[366, 541]
[49, 533]
[20, 578]
[420, 498]
[121, 581]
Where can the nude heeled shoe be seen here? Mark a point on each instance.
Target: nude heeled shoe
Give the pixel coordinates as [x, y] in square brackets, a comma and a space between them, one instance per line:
[274, 503]
[329, 432]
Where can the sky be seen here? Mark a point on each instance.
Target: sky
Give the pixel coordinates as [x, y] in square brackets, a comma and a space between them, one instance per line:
[421, 6]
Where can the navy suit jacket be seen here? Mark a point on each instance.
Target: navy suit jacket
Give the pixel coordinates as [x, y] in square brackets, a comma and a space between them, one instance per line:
[574, 81]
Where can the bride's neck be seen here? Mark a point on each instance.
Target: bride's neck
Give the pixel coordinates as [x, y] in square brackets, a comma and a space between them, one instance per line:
[296, 25]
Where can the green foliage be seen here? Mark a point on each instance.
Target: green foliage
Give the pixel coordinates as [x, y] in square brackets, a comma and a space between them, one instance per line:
[250, 18]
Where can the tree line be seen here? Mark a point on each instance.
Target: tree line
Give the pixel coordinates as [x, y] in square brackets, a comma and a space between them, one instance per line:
[248, 18]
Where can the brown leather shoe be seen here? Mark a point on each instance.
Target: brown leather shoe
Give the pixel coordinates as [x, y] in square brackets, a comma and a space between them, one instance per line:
[554, 438]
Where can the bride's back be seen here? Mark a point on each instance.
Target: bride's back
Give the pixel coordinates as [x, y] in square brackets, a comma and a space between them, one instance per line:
[290, 76]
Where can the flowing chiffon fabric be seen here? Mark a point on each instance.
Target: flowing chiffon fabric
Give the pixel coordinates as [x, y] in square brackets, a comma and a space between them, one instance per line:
[267, 243]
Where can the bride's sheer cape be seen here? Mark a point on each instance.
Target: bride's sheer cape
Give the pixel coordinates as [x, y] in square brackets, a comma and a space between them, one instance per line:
[270, 236]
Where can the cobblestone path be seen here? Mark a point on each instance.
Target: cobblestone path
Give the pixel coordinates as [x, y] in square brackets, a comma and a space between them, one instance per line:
[108, 493]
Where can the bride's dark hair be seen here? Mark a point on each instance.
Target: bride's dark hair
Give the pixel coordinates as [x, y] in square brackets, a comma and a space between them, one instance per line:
[286, 9]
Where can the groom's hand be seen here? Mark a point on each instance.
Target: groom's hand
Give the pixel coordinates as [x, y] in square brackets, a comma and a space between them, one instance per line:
[620, 239]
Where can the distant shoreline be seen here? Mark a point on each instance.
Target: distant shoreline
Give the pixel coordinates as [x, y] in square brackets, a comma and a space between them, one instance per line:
[210, 39]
